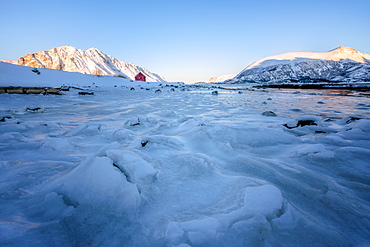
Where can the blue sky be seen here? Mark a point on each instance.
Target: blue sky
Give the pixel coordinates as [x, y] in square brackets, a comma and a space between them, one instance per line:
[188, 40]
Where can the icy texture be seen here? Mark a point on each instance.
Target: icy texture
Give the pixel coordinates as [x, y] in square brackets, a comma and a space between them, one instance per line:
[129, 167]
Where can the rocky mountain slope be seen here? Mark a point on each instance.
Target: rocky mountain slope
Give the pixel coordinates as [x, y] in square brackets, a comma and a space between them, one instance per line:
[343, 64]
[91, 61]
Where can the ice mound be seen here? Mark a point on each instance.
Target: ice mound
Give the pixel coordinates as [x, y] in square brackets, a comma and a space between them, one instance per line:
[363, 125]
[133, 165]
[100, 184]
[123, 135]
[356, 130]
[261, 205]
[266, 200]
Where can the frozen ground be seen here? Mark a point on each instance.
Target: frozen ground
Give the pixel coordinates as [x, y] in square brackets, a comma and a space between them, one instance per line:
[185, 167]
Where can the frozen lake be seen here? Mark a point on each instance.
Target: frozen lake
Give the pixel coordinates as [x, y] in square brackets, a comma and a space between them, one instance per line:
[185, 167]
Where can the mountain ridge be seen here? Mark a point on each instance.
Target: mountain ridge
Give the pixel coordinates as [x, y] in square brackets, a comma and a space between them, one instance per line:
[90, 61]
[336, 54]
[343, 64]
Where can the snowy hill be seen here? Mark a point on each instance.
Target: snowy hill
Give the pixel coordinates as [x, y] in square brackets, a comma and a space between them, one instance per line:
[91, 61]
[17, 75]
[343, 64]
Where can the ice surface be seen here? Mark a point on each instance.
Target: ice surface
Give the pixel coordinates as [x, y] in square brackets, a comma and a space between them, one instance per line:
[185, 168]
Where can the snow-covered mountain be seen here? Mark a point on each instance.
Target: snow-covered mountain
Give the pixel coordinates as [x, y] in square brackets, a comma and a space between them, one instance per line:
[343, 64]
[222, 78]
[91, 61]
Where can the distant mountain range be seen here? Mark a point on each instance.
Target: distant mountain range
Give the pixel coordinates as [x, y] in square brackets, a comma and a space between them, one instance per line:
[343, 64]
[91, 61]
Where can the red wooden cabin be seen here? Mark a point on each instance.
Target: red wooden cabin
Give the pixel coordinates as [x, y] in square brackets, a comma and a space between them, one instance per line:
[140, 77]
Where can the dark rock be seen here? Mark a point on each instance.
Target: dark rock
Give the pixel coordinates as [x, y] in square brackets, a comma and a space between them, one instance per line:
[269, 113]
[214, 92]
[4, 118]
[33, 109]
[296, 110]
[36, 71]
[301, 123]
[352, 119]
[85, 93]
[143, 143]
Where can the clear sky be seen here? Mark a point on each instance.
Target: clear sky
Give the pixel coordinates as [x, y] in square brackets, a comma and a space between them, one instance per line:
[185, 40]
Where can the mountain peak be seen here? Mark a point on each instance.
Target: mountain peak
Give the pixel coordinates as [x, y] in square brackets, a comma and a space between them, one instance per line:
[65, 47]
[343, 48]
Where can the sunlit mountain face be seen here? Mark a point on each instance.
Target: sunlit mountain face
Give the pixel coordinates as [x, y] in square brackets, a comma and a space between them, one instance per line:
[91, 61]
[343, 64]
